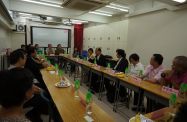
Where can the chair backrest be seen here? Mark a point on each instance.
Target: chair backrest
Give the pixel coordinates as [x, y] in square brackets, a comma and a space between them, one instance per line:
[84, 53]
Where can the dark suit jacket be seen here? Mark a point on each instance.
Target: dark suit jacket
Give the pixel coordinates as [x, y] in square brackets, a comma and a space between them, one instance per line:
[101, 61]
[123, 64]
[34, 67]
[91, 60]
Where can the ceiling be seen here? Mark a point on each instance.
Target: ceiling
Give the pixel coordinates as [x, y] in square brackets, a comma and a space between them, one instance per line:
[88, 9]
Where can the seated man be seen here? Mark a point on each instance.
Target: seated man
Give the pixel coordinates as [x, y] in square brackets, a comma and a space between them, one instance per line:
[59, 50]
[100, 60]
[154, 70]
[153, 74]
[50, 50]
[16, 88]
[35, 67]
[135, 69]
[178, 74]
[17, 60]
[121, 65]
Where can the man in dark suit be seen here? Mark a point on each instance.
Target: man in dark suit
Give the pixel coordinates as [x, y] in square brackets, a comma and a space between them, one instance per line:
[38, 104]
[121, 65]
[34, 66]
[100, 58]
[101, 61]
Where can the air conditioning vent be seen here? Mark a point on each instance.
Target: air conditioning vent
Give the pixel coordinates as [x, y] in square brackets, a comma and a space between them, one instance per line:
[84, 5]
[20, 28]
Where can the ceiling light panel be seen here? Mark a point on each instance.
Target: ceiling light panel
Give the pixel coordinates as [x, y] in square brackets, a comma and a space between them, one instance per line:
[179, 1]
[43, 3]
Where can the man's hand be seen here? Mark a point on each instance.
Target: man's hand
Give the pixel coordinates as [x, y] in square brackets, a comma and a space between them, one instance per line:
[36, 89]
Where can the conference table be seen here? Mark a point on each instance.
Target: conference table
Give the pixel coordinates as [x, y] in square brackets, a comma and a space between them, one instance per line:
[70, 108]
[150, 90]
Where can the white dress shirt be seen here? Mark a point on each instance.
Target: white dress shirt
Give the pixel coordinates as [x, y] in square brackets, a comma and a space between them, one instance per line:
[135, 70]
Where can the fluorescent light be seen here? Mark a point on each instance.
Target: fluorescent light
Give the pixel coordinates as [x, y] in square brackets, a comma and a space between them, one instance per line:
[25, 14]
[99, 13]
[42, 3]
[51, 2]
[180, 1]
[121, 9]
[78, 21]
[24, 17]
[120, 6]
[106, 12]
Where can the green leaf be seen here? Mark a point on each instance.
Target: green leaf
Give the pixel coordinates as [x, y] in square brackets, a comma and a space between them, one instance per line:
[183, 87]
[88, 97]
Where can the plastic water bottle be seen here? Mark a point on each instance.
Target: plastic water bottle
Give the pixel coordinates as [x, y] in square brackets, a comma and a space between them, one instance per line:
[140, 73]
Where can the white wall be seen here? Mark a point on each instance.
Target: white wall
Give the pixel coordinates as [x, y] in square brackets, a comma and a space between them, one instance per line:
[4, 38]
[97, 36]
[160, 32]
[17, 39]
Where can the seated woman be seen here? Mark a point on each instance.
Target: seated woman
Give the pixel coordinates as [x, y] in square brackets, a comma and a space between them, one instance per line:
[135, 65]
[91, 56]
[76, 53]
[15, 89]
[136, 68]
[178, 74]
[38, 49]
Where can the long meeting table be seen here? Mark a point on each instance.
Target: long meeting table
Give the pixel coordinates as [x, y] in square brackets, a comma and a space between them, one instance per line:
[70, 108]
[150, 90]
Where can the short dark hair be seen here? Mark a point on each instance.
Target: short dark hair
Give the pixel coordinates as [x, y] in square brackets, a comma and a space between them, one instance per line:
[23, 46]
[99, 49]
[121, 52]
[14, 84]
[16, 55]
[181, 113]
[134, 56]
[90, 49]
[158, 58]
[31, 50]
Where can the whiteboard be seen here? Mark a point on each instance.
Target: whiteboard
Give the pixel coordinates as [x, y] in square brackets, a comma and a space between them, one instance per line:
[44, 36]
